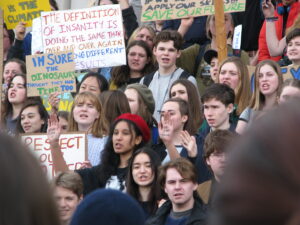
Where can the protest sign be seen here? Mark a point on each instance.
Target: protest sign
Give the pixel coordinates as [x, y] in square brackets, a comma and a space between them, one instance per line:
[291, 71]
[65, 102]
[175, 9]
[16, 11]
[73, 147]
[47, 73]
[36, 41]
[94, 34]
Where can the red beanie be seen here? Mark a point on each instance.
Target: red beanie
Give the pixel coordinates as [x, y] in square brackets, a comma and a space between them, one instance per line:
[139, 122]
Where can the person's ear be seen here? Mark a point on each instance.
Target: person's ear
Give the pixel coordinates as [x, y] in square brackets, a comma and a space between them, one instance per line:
[230, 108]
[184, 118]
[207, 161]
[138, 140]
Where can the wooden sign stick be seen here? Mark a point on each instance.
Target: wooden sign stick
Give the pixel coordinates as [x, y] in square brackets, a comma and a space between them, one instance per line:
[220, 30]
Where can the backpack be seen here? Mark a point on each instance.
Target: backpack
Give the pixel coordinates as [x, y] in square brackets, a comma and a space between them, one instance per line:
[147, 79]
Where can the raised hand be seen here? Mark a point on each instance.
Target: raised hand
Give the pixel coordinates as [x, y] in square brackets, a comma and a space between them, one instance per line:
[20, 31]
[268, 8]
[54, 130]
[189, 142]
[54, 101]
[166, 128]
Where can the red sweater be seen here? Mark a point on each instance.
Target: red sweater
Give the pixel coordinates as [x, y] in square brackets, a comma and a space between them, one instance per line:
[262, 42]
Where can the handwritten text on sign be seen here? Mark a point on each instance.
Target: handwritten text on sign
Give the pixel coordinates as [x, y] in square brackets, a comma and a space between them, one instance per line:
[47, 73]
[175, 9]
[73, 147]
[291, 71]
[94, 34]
[16, 11]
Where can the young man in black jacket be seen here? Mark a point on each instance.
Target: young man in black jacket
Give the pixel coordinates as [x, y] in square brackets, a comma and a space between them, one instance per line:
[178, 178]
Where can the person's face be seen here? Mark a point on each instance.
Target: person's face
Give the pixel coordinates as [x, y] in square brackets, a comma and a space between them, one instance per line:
[214, 65]
[123, 140]
[17, 91]
[172, 109]
[133, 100]
[267, 80]
[137, 58]
[229, 75]
[85, 113]
[217, 114]
[179, 189]
[145, 35]
[6, 41]
[90, 84]
[289, 92]
[293, 50]
[166, 54]
[31, 120]
[11, 69]
[217, 161]
[141, 170]
[179, 91]
[228, 25]
[67, 202]
[63, 124]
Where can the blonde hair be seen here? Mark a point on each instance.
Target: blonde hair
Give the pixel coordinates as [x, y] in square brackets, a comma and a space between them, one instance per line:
[137, 30]
[99, 127]
[258, 99]
[242, 92]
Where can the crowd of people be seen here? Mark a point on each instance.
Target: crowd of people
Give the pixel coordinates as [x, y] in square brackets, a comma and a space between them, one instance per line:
[187, 138]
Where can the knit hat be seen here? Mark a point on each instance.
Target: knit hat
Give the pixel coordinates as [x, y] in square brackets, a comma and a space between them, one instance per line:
[139, 122]
[146, 95]
[209, 55]
[107, 206]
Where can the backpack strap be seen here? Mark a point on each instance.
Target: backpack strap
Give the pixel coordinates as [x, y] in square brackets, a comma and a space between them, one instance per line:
[148, 78]
[184, 75]
[199, 57]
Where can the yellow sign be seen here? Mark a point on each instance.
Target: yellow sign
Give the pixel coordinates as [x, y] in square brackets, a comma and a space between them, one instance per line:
[16, 11]
[175, 9]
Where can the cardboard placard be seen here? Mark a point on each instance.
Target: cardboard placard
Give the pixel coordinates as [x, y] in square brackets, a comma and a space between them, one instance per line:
[73, 147]
[65, 102]
[16, 11]
[291, 71]
[47, 73]
[154, 10]
[94, 34]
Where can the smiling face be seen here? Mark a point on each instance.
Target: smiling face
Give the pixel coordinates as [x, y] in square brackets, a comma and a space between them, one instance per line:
[229, 74]
[11, 69]
[142, 171]
[85, 114]
[166, 55]
[268, 80]
[293, 50]
[31, 120]
[145, 35]
[133, 100]
[90, 84]
[179, 91]
[124, 139]
[137, 58]
[217, 114]
[67, 202]
[17, 90]
[179, 189]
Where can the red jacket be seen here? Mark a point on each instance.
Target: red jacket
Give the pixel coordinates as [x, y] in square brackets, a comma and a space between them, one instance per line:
[262, 42]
